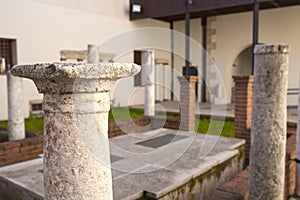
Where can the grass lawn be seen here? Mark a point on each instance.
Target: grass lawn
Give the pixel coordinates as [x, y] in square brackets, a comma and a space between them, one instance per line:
[226, 128]
[34, 125]
[122, 113]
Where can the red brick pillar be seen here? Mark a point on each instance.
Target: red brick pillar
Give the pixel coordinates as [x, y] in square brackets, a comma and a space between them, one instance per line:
[187, 102]
[243, 110]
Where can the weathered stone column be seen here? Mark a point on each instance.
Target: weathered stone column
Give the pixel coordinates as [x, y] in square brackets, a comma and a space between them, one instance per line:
[187, 102]
[92, 54]
[243, 110]
[148, 63]
[268, 130]
[16, 127]
[76, 148]
[297, 191]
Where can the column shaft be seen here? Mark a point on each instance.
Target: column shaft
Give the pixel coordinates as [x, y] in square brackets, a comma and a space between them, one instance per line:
[268, 130]
[148, 81]
[92, 54]
[16, 127]
[76, 150]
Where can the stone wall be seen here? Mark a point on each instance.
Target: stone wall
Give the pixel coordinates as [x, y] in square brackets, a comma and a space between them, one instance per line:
[203, 186]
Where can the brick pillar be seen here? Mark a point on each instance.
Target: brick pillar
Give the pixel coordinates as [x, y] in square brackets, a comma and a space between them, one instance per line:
[243, 110]
[187, 102]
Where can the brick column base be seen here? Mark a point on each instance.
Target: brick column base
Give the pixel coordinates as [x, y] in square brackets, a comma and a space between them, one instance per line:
[243, 110]
[187, 102]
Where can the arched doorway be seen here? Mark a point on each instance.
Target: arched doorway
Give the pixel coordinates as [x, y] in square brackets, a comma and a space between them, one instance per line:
[242, 66]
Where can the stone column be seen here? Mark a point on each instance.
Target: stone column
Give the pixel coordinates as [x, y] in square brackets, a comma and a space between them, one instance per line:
[76, 148]
[187, 102]
[268, 130]
[148, 63]
[297, 191]
[243, 110]
[16, 127]
[92, 54]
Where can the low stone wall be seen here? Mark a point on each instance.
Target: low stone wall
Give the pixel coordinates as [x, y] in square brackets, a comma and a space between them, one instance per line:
[204, 185]
[21, 150]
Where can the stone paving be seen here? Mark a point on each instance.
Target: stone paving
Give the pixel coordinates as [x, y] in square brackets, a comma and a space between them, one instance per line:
[153, 163]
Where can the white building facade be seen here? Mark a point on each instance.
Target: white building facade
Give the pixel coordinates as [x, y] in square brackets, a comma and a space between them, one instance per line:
[43, 28]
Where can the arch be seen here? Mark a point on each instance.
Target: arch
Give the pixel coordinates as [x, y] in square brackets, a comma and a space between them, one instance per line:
[242, 65]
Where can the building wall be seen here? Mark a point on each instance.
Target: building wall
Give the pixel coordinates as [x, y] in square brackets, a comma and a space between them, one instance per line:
[44, 27]
[234, 33]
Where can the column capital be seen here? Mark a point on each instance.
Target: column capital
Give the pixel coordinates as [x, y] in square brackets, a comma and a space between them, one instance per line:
[271, 49]
[66, 78]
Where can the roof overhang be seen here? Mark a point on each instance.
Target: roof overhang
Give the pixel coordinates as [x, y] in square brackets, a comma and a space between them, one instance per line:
[174, 10]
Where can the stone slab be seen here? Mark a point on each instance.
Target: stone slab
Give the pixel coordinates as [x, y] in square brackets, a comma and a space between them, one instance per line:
[142, 169]
[161, 141]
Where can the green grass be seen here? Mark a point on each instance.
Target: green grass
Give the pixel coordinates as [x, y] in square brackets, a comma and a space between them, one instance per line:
[34, 125]
[215, 127]
[169, 114]
[122, 113]
[4, 124]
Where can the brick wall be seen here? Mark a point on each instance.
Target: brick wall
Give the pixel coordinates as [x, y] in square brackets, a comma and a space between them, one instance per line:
[171, 123]
[139, 124]
[30, 148]
[243, 110]
[21, 150]
[290, 166]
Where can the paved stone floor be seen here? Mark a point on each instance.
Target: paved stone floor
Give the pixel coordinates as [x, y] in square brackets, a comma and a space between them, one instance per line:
[155, 162]
[210, 109]
[294, 198]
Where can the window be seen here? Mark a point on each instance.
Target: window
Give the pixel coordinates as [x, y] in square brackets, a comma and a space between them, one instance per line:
[138, 60]
[36, 107]
[7, 54]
